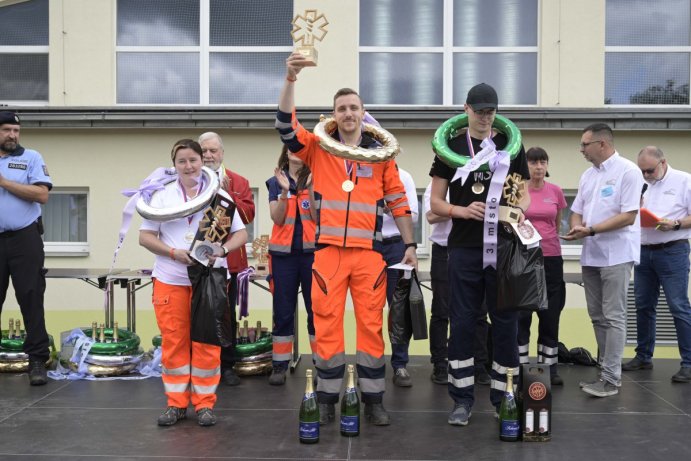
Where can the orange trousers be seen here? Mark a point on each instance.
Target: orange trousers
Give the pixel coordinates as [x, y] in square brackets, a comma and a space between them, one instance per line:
[363, 271]
[191, 370]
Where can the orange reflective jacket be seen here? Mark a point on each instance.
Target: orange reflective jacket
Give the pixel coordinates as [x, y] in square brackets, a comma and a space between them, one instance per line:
[346, 218]
[281, 240]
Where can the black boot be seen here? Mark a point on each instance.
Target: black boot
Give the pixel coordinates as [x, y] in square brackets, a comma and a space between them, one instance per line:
[377, 414]
[327, 412]
[38, 376]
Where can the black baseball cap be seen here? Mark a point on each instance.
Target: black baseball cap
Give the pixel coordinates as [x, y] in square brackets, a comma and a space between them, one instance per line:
[9, 117]
[482, 96]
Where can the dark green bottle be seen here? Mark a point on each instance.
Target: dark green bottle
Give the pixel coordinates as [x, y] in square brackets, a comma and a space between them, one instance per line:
[309, 414]
[509, 423]
[350, 407]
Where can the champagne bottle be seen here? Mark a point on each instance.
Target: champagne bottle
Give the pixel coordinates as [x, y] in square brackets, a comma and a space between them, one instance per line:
[309, 414]
[544, 422]
[102, 334]
[509, 425]
[350, 407]
[244, 335]
[10, 330]
[94, 331]
[18, 329]
[258, 334]
[115, 333]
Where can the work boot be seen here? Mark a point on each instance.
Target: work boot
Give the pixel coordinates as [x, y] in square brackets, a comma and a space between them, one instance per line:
[682, 376]
[377, 414]
[171, 416]
[38, 376]
[206, 417]
[327, 413]
[278, 376]
[636, 364]
[230, 378]
[556, 380]
[401, 378]
[440, 374]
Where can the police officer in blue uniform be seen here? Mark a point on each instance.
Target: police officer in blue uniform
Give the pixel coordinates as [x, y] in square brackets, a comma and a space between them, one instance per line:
[24, 187]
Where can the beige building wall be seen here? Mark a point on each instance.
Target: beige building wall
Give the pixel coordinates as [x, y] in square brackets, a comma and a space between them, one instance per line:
[82, 52]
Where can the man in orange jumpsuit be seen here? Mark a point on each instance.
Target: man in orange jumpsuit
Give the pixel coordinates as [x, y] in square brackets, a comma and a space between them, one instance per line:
[350, 199]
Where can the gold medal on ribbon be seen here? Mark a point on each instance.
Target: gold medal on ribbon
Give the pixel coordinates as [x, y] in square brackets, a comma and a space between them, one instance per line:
[348, 185]
[478, 188]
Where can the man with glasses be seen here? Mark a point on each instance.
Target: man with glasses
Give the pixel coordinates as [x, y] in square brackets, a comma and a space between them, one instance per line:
[664, 260]
[605, 216]
[239, 189]
[470, 282]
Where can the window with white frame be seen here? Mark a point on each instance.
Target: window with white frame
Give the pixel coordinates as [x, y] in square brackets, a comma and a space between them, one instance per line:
[65, 222]
[202, 51]
[253, 227]
[570, 249]
[431, 52]
[647, 50]
[421, 227]
[24, 52]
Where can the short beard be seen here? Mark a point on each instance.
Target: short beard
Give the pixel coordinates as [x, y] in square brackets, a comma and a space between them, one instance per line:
[9, 146]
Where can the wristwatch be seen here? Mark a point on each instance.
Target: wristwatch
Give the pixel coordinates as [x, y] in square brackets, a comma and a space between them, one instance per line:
[413, 244]
[592, 231]
[225, 251]
[677, 224]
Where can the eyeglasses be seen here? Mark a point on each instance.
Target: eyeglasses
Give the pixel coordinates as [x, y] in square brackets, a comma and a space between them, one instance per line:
[485, 113]
[651, 170]
[583, 145]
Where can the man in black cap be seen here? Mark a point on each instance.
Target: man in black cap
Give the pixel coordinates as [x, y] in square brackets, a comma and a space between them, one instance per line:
[472, 274]
[24, 187]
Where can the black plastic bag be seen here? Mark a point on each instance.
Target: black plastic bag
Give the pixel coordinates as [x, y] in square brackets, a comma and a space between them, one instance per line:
[416, 304]
[211, 315]
[521, 284]
[407, 315]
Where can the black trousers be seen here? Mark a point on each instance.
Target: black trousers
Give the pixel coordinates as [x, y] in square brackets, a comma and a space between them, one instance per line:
[22, 259]
[439, 321]
[228, 357]
[548, 327]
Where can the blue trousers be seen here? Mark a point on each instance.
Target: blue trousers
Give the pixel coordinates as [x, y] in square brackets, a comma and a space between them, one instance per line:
[393, 251]
[289, 274]
[469, 285]
[667, 267]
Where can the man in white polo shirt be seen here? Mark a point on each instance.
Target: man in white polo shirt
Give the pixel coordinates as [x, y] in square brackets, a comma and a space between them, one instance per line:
[664, 260]
[605, 216]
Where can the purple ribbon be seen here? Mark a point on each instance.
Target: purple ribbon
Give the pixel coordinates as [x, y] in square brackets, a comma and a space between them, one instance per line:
[244, 292]
[369, 119]
[499, 164]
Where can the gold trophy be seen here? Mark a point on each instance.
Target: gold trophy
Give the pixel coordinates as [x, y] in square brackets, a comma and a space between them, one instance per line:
[307, 28]
[214, 227]
[260, 251]
[514, 190]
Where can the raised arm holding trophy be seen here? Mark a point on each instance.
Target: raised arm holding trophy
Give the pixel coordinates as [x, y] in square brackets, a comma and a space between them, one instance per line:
[346, 180]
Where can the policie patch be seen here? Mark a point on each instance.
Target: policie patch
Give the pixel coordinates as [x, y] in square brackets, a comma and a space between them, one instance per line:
[18, 166]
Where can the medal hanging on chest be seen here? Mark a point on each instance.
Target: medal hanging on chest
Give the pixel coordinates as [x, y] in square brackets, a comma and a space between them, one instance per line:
[348, 185]
[477, 188]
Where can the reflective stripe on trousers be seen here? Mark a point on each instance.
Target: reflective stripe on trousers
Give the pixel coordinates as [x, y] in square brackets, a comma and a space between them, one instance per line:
[191, 370]
[335, 270]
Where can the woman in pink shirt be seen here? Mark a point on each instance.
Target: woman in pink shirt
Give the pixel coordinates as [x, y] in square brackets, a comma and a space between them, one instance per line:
[546, 204]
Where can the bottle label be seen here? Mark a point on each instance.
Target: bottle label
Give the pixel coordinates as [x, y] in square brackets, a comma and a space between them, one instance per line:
[309, 431]
[510, 428]
[350, 424]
